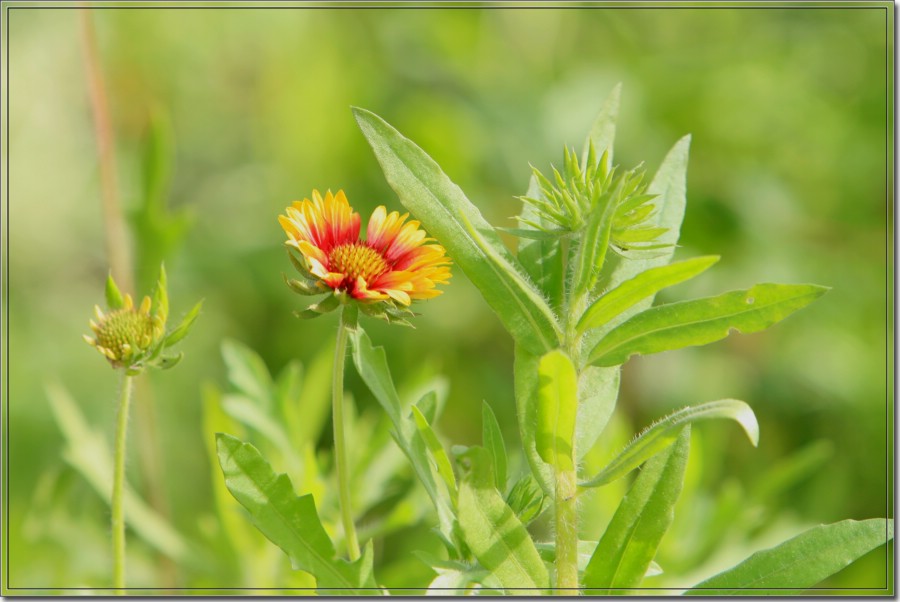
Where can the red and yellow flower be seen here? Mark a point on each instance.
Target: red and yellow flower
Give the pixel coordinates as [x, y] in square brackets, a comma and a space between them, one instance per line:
[396, 263]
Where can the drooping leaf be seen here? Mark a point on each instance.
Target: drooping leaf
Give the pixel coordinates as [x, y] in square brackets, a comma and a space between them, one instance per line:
[471, 242]
[644, 285]
[289, 521]
[624, 553]
[702, 321]
[371, 363]
[492, 439]
[88, 452]
[557, 408]
[664, 432]
[492, 532]
[248, 372]
[800, 562]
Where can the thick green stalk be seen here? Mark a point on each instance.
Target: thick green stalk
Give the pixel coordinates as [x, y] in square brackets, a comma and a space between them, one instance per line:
[566, 534]
[118, 510]
[340, 446]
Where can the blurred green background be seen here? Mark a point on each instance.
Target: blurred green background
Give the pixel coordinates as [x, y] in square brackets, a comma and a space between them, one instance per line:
[789, 180]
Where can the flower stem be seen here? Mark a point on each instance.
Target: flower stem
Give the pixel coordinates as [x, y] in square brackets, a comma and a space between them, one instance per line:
[340, 446]
[118, 511]
[566, 534]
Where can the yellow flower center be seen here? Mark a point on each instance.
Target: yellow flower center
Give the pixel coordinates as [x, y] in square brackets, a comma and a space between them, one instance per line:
[356, 259]
[125, 332]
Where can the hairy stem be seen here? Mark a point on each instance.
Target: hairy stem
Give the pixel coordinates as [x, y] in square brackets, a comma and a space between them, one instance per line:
[340, 446]
[118, 486]
[566, 534]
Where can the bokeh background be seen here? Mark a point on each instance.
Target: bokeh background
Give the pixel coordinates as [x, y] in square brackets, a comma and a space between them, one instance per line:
[789, 180]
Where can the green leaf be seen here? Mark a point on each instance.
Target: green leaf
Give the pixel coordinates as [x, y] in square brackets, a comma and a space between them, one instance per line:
[248, 372]
[493, 533]
[182, 329]
[626, 550]
[664, 432]
[801, 562]
[557, 408]
[250, 414]
[471, 242]
[88, 452]
[290, 522]
[525, 371]
[603, 131]
[161, 295]
[438, 454]
[591, 252]
[598, 389]
[644, 285]
[492, 439]
[324, 306]
[526, 499]
[702, 321]
[114, 298]
[543, 260]
[307, 411]
[371, 364]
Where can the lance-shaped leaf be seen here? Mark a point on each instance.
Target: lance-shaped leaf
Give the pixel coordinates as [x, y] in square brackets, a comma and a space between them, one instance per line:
[114, 298]
[184, 328]
[492, 439]
[248, 372]
[557, 408]
[371, 363]
[492, 532]
[644, 285]
[598, 390]
[289, 521]
[702, 321]
[542, 259]
[664, 432]
[436, 450]
[161, 295]
[801, 562]
[474, 245]
[603, 131]
[628, 546]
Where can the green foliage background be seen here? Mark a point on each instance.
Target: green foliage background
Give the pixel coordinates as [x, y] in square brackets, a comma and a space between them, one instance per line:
[789, 180]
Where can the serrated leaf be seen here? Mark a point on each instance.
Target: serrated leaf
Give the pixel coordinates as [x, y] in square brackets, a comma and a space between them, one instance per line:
[702, 321]
[664, 432]
[626, 550]
[114, 298]
[801, 562]
[184, 327]
[471, 242]
[493, 533]
[289, 521]
[492, 440]
[557, 409]
[438, 454]
[644, 285]
[248, 372]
